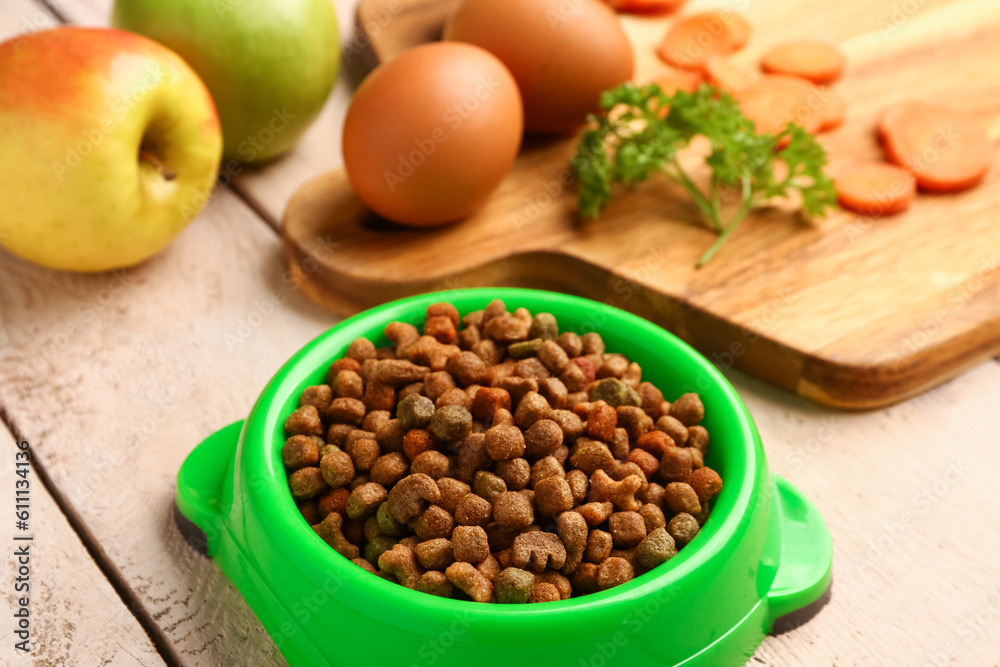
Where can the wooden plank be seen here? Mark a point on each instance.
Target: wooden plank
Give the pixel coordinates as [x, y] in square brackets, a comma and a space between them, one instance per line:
[74, 612]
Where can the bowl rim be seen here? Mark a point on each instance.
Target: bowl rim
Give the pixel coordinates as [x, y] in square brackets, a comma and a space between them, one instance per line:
[262, 436]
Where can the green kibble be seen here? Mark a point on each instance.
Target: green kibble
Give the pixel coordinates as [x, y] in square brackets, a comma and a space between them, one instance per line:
[415, 411]
[525, 349]
[514, 585]
[544, 326]
[377, 547]
[615, 393]
[656, 548]
[451, 423]
[387, 523]
[683, 528]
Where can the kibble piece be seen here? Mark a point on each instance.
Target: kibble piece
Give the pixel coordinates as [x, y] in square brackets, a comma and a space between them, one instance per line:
[570, 424]
[655, 442]
[441, 328]
[553, 356]
[601, 422]
[364, 500]
[634, 420]
[697, 458]
[433, 523]
[654, 493]
[452, 492]
[628, 468]
[346, 384]
[389, 468]
[517, 387]
[653, 517]
[470, 581]
[613, 572]
[599, 546]
[655, 549]
[304, 421]
[330, 530]
[673, 427]
[451, 423]
[337, 469]
[542, 438]
[472, 457]
[490, 568]
[470, 544]
[706, 484]
[683, 527]
[418, 441]
[514, 585]
[584, 579]
[592, 343]
[337, 434]
[512, 511]
[621, 493]
[504, 442]
[345, 364]
[554, 391]
[488, 400]
[546, 467]
[544, 592]
[299, 451]
[310, 511]
[532, 408]
[614, 365]
[680, 497]
[361, 349]
[578, 485]
[592, 455]
[532, 369]
[553, 495]
[595, 513]
[401, 563]
[544, 326]
[627, 529]
[377, 546]
[318, 396]
[688, 409]
[619, 444]
[436, 554]
[307, 483]
[473, 510]
[560, 581]
[614, 392]
[647, 463]
[363, 452]
[379, 396]
[507, 328]
[698, 439]
[387, 523]
[364, 565]
[415, 412]
[488, 351]
[516, 473]
[409, 496]
[454, 396]
[675, 466]
[524, 349]
[435, 583]
[469, 336]
[403, 334]
[467, 368]
[433, 464]
[437, 383]
[487, 485]
[537, 550]
[428, 351]
[573, 531]
[334, 500]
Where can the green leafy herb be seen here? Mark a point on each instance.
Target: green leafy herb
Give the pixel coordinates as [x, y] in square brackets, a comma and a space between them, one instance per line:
[633, 140]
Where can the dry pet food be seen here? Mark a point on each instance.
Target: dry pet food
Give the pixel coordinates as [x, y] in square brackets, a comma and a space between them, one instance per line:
[493, 458]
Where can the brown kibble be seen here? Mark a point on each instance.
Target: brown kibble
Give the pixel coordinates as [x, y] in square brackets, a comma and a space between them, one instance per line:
[488, 400]
[601, 422]
[417, 441]
[334, 500]
[442, 309]
[451, 423]
[410, 495]
[318, 396]
[697, 458]
[472, 457]
[504, 443]
[706, 484]
[367, 370]
[578, 485]
[304, 421]
[337, 469]
[437, 383]
[673, 427]
[680, 497]
[337, 434]
[516, 473]
[433, 523]
[488, 351]
[469, 336]
[346, 384]
[553, 356]
[553, 495]
[512, 511]
[470, 544]
[374, 419]
[619, 444]
[442, 329]
[467, 368]
[655, 442]
[307, 483]
[544, 592]
[646, 462]
[532, 369]
[698, 439]
[487, 485]
[514, 585]
[506, 328]
[592, 343]
[573, 531]
[571, 343]
[470, 581]
[427, 351]
[389, 468]
[346, 411]
[584, 579]
[623, 470]
[452, 492]
[651, 397]
[541, 438]
[634, 421]
[432, 463]
[365, 499]
[344, 364]
[503, 557]
[490, 568]
[379, 396]
[653, 517]
[554, 391]
[435, 583]
[531, 409]
[516, 387]
[654, 494]
[401, 563]
[620, 493]
[364, 565]
[683, 527]
[599, 545]
[363, 452]
[537, 550]
[560, 581]
[473, 510]
[614, 572]
[627, 529]
[360, 349]
[592, 455]
[633, 378]
[688, 409]
[299, 451]
[399, 372]
[614, 365]
[570, 424]
[595, 513]
[546, 467]
[675, 466]
[575, 377]
[403, 334]
[330, 531]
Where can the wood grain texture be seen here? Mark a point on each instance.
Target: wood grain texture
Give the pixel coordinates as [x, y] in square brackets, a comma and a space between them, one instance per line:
[77, 619]
[848, 311]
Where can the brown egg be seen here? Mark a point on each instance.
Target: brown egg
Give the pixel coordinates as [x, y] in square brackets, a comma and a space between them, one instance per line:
[430, 134]
[563, 53]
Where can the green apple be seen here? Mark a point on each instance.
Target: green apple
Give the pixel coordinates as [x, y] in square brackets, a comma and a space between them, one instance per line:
[109, 146]
[269, 64]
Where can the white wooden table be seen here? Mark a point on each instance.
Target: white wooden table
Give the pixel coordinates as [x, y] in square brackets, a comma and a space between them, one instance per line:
[114, 378]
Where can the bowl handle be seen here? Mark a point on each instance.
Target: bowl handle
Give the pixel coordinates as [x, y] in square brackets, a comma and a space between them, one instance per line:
[200, 479]
[806, 564]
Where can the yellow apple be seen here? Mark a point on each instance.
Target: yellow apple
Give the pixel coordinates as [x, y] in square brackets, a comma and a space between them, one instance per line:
[109, 146]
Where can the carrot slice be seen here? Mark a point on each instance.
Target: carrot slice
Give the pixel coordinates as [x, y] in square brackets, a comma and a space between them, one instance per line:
[673, 80]
[727, 75]
[646, 6]
[691, 40]
[875, 188]
[774, 100]
[946, 150]
[834, 110]
[817, 61]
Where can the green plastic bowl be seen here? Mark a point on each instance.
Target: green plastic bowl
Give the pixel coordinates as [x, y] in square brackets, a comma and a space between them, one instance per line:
[764, 552]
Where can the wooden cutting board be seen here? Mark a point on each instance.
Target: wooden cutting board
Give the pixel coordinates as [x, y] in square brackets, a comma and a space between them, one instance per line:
[847, 311]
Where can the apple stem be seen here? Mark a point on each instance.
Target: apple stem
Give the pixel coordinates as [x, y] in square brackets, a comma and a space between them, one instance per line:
[160, 167]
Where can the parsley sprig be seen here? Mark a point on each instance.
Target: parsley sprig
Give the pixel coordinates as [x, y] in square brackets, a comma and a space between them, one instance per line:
[633, 139]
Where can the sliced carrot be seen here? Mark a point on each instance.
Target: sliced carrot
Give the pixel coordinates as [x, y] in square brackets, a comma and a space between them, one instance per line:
[774, 100]
[817, 61]
[646, 6]
[727, 75]
[946, 150]
[673, 80]
[834, 110]
[691, 40]
[875, 188]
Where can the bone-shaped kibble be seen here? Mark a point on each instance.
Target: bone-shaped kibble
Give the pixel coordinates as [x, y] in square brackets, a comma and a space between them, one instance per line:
[537, 550]
[401, 563]
[621, 494]
[407, 496]
[470, 581]
[329, 529]
[429, 352]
